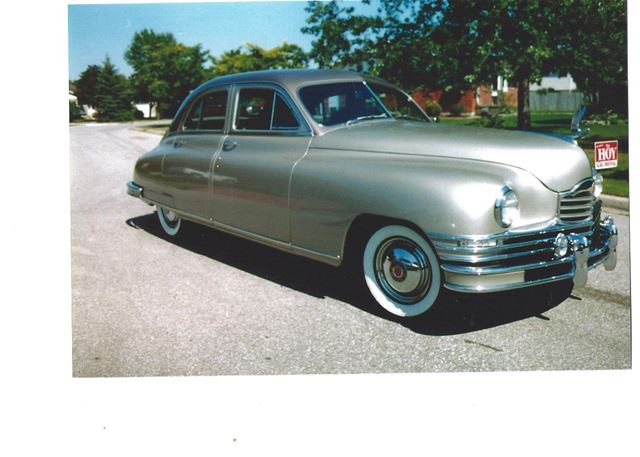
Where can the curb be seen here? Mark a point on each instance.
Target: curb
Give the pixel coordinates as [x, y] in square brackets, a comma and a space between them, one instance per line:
[611, 201]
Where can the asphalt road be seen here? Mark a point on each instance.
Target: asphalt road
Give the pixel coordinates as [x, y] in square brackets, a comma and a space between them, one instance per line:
[207, 303]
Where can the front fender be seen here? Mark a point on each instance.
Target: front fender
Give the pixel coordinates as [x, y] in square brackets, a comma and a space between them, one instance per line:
[330, 188]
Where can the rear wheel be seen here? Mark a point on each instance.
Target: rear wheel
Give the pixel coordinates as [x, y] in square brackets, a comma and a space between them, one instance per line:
[401, 270]
[169, 220]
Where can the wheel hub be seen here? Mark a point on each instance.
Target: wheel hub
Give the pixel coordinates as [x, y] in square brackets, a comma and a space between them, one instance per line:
[402, 270]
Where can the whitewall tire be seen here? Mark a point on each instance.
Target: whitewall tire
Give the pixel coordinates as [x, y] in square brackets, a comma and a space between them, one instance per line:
[401, 271]
[169, 221]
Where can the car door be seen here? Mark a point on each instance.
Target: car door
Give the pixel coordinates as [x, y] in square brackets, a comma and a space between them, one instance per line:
[187, 164]
[250, 184]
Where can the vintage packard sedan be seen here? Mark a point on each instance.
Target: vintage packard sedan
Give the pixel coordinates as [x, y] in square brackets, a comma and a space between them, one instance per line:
[347, 169]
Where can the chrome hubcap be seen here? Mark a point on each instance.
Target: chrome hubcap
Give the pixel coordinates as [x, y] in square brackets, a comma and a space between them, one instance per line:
[403, 270]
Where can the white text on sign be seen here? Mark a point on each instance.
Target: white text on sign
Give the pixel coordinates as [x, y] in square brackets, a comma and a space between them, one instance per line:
[606, 154]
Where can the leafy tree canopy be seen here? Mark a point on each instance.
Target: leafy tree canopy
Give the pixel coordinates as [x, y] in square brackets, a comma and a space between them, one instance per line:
[457, 44]
[164, 70]
[252, 58]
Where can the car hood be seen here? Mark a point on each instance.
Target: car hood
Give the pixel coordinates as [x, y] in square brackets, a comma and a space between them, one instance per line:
[557, 163]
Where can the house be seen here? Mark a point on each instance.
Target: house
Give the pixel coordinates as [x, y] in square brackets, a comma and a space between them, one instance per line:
[147, 109]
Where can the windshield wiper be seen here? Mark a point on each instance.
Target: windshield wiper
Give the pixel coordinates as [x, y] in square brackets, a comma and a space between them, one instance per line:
[364, 118]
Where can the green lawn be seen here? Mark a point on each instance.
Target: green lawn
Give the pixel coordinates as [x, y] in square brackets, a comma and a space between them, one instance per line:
[616, 180]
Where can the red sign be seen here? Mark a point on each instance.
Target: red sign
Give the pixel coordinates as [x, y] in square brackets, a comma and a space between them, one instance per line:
[606, 154]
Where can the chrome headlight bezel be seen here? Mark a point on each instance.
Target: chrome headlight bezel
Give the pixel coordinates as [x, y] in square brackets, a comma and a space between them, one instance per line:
[507, 208]
[598, 184]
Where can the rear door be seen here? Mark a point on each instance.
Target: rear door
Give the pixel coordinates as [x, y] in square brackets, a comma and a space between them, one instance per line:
[187, 166]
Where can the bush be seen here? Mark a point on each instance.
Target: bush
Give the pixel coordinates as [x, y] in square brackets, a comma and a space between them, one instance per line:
[457, 110]
[74, 112]
[493, 121]
[433, 109]
[137, 114]
[114, 116]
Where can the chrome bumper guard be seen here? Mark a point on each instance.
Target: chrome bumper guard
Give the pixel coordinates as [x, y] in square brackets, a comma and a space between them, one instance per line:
[519, 259]
[134, 190]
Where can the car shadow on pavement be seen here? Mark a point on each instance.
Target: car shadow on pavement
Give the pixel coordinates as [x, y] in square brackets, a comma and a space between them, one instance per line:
[453, 313]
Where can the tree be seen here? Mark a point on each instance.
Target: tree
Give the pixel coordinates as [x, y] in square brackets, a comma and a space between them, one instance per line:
[457, 44]
[594, 51]
[85, 88]
[253, 58]
[165, 71]
[113, 96]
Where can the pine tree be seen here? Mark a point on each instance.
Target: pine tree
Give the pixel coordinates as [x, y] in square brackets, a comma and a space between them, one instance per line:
[113, 96]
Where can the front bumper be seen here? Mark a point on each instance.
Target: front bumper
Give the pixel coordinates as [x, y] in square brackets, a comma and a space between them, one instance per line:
[517, 259]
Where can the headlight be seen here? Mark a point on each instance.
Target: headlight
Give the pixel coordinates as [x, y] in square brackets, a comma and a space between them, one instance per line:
[507, 208]
[598, 183]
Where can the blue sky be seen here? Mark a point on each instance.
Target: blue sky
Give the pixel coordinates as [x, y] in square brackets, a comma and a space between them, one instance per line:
[98, 30]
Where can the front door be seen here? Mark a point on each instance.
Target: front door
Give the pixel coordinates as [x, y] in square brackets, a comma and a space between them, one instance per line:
[250, 184]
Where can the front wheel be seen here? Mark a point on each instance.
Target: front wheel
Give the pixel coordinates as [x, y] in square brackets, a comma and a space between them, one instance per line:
[169, 220]
[401, 271]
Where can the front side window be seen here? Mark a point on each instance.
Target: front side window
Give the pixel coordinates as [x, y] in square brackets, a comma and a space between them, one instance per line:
[264, 109]
[337, 103]
[207, 113]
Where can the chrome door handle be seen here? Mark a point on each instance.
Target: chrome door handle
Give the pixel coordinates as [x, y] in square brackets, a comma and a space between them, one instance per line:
[178, 143]
[228, 145]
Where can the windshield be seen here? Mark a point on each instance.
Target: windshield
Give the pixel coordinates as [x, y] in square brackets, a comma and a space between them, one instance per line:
[397, 103]
[339, 103]
[331, 104]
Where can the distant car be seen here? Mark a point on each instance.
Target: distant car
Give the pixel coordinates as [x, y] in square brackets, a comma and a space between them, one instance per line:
[328, 164]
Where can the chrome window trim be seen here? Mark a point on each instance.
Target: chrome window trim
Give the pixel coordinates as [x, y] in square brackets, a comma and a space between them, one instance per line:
[409, 97]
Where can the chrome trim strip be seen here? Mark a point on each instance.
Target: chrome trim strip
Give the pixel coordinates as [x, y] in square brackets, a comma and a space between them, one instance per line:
[461, 250]
[552, 226]
[496, 270]
[585, 182]
[490, 258]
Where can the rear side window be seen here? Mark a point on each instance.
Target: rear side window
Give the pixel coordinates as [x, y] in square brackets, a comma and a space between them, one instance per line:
[264, 109]
[214, 107]
[208, 113]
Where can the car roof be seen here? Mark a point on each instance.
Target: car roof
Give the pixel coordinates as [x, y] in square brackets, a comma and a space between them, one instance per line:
[291, 79]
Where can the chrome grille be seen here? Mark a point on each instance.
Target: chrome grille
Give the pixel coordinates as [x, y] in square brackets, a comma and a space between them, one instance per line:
[576, 205]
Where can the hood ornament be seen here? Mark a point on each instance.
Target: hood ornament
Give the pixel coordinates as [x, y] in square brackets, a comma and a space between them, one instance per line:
[576, 130]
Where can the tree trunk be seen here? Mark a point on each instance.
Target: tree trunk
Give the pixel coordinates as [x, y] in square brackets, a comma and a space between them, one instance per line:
[524, 115]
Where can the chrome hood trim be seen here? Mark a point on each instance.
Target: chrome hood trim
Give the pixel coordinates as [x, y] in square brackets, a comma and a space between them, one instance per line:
[558, 164]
